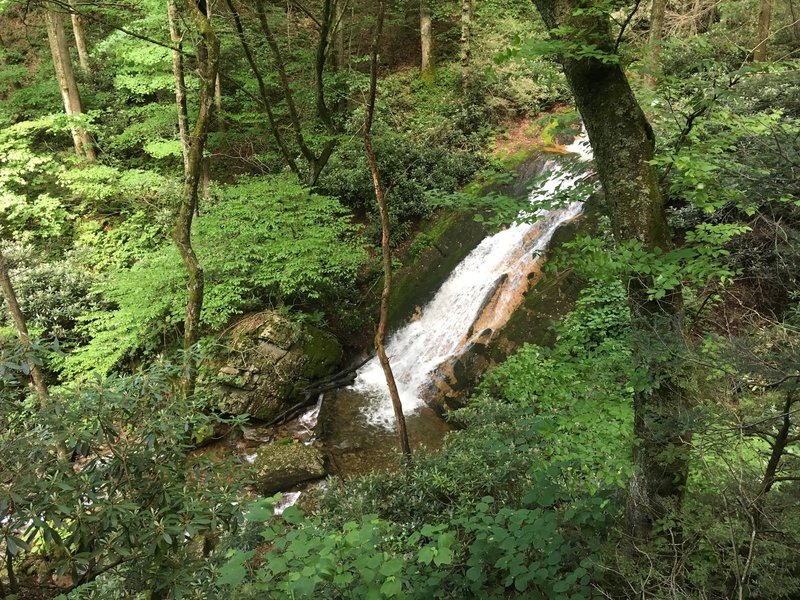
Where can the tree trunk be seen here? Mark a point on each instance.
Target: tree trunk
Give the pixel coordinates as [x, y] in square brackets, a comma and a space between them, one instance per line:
[288, 96]
[327, 22]
[380, 334]
[180, 81]
[262, 88]
[764, 27]
[10, 296]
[183, 230]
[795, 21]
[657, 13]
[342, 59]
[65, 75]
[466, 34]
[80, 39]
[623, 145]
[426, 41]
[219, 121]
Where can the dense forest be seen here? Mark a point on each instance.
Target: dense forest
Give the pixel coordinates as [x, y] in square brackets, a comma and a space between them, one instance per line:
[213, 213]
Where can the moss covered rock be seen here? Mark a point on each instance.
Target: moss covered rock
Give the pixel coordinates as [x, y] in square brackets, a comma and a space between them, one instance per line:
[279, 467]
[270, 361]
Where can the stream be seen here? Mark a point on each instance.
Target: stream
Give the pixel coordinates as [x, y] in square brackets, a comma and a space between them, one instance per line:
[475, 302]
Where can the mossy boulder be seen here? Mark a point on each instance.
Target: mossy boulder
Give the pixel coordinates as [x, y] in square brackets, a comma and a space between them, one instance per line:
[270, 361]
[279, 467]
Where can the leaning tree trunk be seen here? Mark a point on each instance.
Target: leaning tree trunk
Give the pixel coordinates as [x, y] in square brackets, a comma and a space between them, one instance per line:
[10, 296]
[380, 334]
[65, 75]
[79, 33]
[426, 41]
[764, 27]
[262, 88]
[315, 162]
[183, 230]
[623, 145]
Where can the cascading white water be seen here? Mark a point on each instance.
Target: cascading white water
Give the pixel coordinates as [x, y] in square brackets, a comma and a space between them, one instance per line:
[447, 321]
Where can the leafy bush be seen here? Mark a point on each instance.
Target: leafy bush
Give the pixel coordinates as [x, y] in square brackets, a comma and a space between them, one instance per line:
[102, 477]
[409, 170]
[433, 531]
[267, 240]
[53, 295]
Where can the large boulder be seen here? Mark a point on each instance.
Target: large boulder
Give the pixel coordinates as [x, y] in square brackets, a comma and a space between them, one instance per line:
[270, 361]
[279, 467]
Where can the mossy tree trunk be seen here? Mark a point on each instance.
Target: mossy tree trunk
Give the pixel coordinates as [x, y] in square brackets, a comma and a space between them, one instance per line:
[623, 145]
[208, 68]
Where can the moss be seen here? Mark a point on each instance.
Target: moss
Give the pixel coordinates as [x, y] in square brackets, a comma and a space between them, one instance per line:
[323, 351]
[448, 238]
[516, 159]
[279, 467]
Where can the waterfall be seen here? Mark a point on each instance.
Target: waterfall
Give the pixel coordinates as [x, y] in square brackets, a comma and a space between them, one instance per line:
[492, 278]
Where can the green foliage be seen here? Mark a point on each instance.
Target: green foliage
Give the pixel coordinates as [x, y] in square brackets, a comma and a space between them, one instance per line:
[108, 190]
[410, 170]
[696, 264]
[265, 240]
[128, 492]
[53, 295]
[585, 383]
[537, 540]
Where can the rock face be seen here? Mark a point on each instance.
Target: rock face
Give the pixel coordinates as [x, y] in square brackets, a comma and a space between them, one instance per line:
[279, 467]
[270, 362]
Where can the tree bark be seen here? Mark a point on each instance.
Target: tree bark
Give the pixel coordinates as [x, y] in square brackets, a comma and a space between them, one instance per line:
[327, 23]
[764, 27]
[380, 334]
[426, 41]
[62, 62]
[657, 13]
[10, 296]
[180, 81]
[466, 34]
[262, 88]
[219, 121]
[342, 59]
[623, 145]
[315, 163]
[183, 230]
[80, 39]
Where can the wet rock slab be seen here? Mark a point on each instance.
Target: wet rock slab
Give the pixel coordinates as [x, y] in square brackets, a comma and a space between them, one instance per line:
[279, 467]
